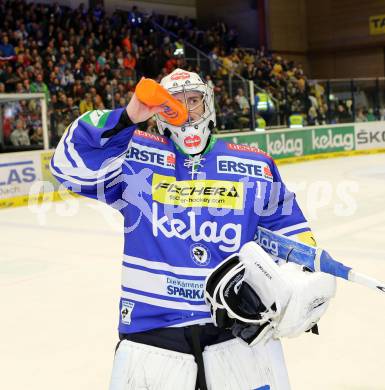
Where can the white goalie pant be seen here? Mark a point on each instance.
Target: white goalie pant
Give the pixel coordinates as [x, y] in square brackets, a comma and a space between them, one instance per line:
[143, 367]
[231, 365]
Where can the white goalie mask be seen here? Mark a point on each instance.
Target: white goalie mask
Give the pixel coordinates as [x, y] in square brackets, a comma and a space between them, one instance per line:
[198, 97]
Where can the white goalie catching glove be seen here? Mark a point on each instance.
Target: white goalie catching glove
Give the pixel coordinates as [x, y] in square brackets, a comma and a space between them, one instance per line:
[258, 299]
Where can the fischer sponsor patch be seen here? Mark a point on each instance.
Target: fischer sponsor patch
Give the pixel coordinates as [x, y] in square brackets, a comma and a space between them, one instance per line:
[246, 148]
[126, 311]
[197, 193]
[152, 156]
[152, 137]
[244, 167]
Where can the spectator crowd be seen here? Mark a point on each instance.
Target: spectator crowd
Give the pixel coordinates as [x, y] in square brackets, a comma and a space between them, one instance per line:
[82, 59]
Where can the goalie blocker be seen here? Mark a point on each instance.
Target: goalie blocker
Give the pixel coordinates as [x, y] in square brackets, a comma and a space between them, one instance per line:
[258, 299]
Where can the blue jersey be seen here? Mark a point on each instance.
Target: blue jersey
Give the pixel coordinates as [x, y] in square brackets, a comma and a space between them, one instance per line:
[183, 215]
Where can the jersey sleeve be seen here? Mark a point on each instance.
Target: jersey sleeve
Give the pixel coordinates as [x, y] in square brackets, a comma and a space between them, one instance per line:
[281, 212]
[90, 154]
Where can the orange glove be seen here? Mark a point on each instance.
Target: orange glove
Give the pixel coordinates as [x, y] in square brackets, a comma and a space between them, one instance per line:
[152, 94]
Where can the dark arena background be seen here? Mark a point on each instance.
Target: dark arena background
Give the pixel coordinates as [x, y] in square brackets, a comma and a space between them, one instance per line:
[303, 80]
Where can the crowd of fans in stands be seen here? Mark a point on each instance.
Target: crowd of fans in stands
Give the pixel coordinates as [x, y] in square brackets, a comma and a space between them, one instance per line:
[82, 60]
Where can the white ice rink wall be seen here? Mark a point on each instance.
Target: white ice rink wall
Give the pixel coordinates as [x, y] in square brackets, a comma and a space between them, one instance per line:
[21, 174]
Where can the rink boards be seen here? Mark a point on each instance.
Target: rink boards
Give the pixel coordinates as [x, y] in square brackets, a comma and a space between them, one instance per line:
[25, 177]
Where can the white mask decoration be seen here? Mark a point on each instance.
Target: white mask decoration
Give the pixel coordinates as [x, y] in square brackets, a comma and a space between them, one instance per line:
[198, 97]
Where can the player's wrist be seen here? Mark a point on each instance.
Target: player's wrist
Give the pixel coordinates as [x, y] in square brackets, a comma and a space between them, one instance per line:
[131, 117]
[127, 119]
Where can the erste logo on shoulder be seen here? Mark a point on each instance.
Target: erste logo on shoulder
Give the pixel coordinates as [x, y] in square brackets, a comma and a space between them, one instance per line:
[244, 167]
[152, 156]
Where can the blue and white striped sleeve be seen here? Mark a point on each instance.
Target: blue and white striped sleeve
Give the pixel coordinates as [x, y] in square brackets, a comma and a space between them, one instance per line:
[91, 152]
[282, 213]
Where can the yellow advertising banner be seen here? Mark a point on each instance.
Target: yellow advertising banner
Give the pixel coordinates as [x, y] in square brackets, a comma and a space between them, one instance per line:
[197, 193]
[377, 24]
